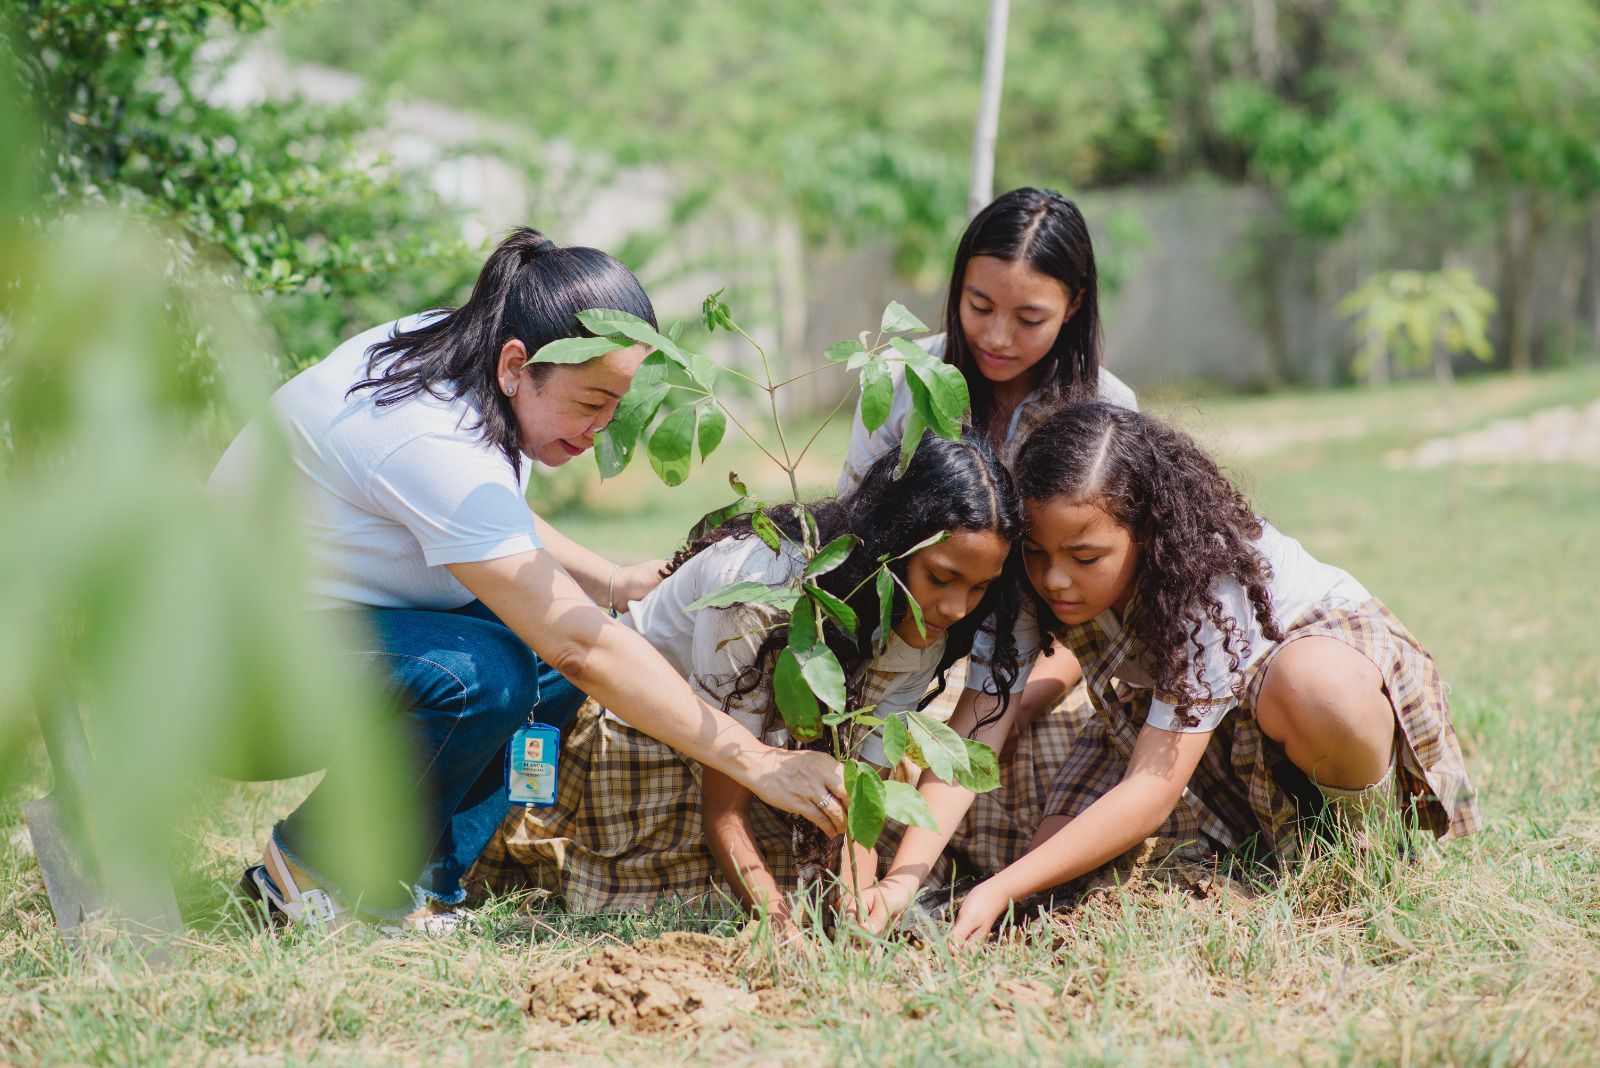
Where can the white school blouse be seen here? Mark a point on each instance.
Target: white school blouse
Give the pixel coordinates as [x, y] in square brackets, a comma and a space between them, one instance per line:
[711, 647]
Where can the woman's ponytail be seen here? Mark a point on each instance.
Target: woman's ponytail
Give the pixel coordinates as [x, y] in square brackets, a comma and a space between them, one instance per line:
[530, 289]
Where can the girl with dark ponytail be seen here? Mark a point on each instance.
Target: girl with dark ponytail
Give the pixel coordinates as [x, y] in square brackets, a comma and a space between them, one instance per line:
[410, 442]
[626, 831]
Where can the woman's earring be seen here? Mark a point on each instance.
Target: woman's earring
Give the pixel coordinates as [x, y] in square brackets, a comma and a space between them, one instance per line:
[511, 390]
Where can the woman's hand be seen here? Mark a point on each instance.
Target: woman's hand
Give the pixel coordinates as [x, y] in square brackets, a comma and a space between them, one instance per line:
[886, 900]
[986, 903]
[804, 782]
[633, 582]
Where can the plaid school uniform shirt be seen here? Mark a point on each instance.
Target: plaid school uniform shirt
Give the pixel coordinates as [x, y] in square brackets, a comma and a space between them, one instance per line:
[627, 830]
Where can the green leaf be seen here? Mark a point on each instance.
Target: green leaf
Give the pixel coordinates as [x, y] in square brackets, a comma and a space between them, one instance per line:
[672, 445]
[865, 791]
[913, 352]
[884, 584]
[823, 671]
[655, 370]
[915, 425]
[837, 610]
[609, 456]
[702, 370]
[801, 714]
[941, 747]
[607, 322]
[736, 484]
[718, 516]
[843, 350]
[897, 317]
[767, 531]
[615, 444]
[928, 542]
[714, 312]
[808, 523]
[575, 349]
[713, 425]
[983, 768]
[911, 606]
[903, 802]
[946, 392]
[675, 332]
[834, 719]
[877, 394]
[894, 739]
[831, 555]
[802, 627]
[747, 593]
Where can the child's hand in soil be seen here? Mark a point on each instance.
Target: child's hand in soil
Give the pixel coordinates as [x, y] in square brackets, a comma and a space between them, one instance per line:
[986, 903]
[886, 900]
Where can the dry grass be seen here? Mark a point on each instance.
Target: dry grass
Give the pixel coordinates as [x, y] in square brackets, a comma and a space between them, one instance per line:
[1485, 951]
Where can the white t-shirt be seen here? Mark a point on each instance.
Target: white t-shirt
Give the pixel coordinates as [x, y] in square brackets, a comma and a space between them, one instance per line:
[390, 494]
[712, 647]
[1299, 582]
[865, 447]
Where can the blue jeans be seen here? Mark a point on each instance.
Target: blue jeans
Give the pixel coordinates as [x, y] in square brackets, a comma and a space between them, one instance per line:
[462, 683]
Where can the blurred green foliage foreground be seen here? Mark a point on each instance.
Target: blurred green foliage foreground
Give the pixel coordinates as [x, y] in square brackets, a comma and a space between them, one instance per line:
[169, 621]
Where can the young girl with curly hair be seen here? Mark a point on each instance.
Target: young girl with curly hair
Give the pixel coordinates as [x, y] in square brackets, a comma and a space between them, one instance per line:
[1228, 670]
[636, 822]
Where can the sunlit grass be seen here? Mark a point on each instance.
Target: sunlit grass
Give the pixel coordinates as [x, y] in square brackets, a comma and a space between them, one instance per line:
[1486, 951]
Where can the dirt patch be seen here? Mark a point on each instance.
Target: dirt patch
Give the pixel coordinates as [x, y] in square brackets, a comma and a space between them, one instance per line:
[678, 981]
[1566, 434]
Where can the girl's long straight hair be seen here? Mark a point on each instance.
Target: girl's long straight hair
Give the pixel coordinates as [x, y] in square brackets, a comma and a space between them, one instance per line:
[1046, 231]
[530, 290]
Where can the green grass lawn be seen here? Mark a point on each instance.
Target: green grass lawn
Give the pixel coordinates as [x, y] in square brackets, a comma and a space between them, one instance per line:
[1485, 951]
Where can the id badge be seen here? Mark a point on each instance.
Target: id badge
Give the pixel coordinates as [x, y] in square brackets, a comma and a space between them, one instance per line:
[532, 757]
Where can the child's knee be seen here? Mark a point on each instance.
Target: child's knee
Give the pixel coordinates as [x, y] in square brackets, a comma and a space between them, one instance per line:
[1321, 685]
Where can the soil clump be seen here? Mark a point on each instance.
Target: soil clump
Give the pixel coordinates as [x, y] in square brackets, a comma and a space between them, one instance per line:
[677, 981]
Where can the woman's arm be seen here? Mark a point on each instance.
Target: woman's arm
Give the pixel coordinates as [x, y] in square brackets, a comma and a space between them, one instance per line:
[1127, 814]
[726, 806]
[594, 573]
[546, 608]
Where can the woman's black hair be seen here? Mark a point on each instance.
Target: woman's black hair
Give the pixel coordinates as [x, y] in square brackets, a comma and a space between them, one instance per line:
[530, 290]
[1192, 526]
[1047, 231]
[949, 485]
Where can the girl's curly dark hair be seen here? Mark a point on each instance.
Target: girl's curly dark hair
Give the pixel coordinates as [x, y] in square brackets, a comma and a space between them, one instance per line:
[949, 485]
[1193, 529]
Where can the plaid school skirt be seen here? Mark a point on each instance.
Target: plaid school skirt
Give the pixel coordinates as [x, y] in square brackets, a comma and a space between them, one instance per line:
[1242, 793]
[625, 831]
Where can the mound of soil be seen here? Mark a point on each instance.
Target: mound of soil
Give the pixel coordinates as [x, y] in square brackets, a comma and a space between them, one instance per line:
[676, 981]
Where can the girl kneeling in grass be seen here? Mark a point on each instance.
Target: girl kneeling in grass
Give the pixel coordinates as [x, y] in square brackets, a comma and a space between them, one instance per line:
[1226, 666]
[636, 822]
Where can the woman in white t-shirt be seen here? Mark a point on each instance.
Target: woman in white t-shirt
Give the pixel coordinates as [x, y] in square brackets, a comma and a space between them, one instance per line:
[413, 443]
[632, 826]
[1235, 680]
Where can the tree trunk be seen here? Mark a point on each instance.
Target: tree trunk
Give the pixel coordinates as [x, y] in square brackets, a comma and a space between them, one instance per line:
[1594, 280]
[1264, 38]
[1519, 247]
[988, 127]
